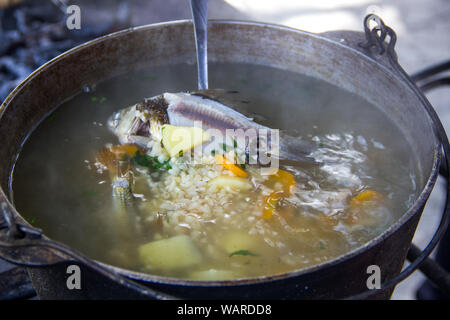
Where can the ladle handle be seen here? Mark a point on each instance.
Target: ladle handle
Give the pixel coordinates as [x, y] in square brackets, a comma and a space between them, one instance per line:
[199, 10]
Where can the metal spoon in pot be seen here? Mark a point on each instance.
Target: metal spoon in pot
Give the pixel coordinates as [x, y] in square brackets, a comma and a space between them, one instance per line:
[199, 10]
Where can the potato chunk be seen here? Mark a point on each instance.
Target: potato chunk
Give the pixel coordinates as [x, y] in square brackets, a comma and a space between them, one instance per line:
[173, 253]
[177, 140]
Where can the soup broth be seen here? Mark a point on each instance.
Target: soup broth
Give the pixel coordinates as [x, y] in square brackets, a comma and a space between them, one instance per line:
[190, 221]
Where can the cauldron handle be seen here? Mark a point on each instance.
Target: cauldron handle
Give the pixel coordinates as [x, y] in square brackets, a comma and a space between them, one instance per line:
[427, 80]
[25, 246]
[379, 45]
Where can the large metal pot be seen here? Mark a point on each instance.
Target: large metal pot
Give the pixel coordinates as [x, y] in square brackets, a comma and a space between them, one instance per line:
[364, 64]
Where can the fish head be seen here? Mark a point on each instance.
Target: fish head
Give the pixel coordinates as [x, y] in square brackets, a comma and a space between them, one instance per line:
[140, 123]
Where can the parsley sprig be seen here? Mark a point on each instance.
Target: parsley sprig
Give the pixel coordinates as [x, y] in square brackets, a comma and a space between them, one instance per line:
[150, 162]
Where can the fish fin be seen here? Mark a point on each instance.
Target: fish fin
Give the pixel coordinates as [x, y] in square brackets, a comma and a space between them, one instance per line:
[231, 98]
[295, 149]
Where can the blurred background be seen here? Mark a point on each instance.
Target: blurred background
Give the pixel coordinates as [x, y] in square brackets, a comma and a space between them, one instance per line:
[34, 31]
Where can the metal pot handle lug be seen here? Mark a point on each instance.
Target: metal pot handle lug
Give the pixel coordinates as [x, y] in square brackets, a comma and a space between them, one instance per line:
[377, 43]
[18, 242]
[25, 246]
[376, 47]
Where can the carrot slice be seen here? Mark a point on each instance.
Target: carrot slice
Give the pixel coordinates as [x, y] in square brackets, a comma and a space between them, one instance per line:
[125, 149]
[237, 171]
[270, 203]
[286, 179]
[364, 197]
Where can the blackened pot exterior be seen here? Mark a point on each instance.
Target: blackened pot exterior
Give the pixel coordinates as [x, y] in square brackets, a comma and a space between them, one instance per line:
[337, 62]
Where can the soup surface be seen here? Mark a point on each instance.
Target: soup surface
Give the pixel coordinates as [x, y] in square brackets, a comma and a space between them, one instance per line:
[197, 221]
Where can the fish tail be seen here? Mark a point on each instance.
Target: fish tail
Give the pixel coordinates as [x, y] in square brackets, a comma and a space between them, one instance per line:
[126, 202]
[296, 149]
[120, 173]
[122, 180]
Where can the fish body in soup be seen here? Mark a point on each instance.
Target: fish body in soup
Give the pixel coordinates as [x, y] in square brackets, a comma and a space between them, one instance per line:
[143, 122]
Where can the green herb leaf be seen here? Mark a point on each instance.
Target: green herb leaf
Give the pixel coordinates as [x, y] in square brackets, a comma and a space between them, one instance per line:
[227, 147]
[148, 161]
[142, 159]
[97, 99]
[239, 160]
[160, 165]
[243, 253]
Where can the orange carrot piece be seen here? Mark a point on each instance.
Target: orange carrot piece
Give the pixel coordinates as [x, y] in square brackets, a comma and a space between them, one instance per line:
[286, 179]
[237, 171]
[270, 202]
[288, 183]
[125, 149]
[364, 197]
